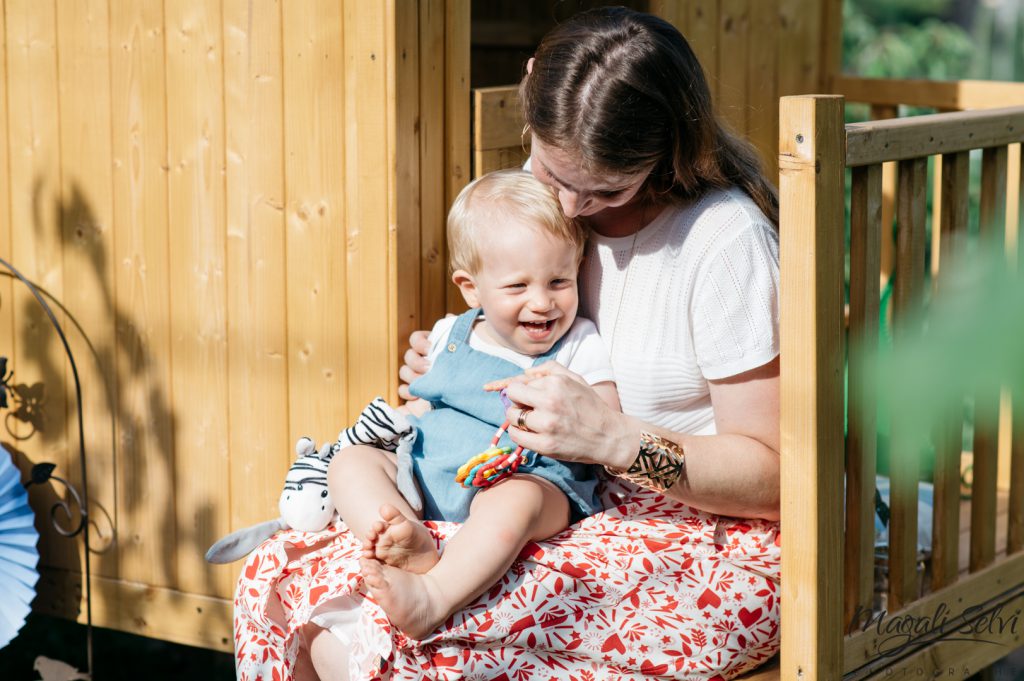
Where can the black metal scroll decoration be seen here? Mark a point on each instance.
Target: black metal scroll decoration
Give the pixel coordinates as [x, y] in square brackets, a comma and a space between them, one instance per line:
[43, 472]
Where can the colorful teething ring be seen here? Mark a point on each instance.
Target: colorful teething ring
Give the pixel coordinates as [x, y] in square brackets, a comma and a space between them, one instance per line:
[492, 465]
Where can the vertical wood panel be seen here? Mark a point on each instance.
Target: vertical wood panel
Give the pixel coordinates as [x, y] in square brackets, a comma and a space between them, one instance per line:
[762, 84]
[37, 251]
[811, 162]
[733, 72]
[798, 45]
[702, 20]
[7, 284]
[314, 123]
[904, 453]
[406, 265]
[369, 164]
[456, 85]
[830, 42]
[87, 234]
[433, 260]
[954, 171]
[195, 138]
[673, 11]
[861, 441]
[992, 221]
[256, 277]
[145, 427]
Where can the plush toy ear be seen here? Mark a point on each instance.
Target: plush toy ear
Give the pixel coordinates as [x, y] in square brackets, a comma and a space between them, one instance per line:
[240, 543]
[304, 446]
[326, 451]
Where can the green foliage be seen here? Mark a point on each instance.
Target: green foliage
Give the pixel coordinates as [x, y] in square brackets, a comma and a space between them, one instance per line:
[966, 343]
[903, 39]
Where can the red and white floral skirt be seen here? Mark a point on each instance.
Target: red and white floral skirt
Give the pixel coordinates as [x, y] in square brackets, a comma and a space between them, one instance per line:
[647, 589]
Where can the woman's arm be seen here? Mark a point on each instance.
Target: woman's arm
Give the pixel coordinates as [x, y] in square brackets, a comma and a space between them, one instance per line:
[735, 472]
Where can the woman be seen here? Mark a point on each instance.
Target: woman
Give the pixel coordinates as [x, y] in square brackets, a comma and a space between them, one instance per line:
[681, 279]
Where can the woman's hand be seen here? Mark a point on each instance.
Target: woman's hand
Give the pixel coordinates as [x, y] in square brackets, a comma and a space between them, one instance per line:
[570, 420]
[416, 363]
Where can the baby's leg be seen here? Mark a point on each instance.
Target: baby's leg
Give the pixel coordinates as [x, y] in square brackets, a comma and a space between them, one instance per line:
[362, 484]
[361, 478]
[501, 520]
[322, 656]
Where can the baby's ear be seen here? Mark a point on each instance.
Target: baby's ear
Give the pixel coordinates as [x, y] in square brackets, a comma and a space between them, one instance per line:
[467, 284]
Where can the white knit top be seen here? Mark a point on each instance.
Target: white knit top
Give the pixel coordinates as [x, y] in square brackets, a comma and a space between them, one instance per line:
[693, 297]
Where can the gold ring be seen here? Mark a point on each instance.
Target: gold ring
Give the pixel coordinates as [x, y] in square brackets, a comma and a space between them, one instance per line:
[521, 421]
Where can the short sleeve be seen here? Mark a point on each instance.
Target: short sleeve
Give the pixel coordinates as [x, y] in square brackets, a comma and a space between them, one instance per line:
[438, 335]
[735, 314]
[584, 352]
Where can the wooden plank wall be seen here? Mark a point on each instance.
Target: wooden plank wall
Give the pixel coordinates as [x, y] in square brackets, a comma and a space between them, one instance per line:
[752, 51]
[214, 194]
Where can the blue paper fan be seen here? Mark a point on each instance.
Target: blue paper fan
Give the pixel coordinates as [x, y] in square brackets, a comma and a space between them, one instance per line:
[18, 553]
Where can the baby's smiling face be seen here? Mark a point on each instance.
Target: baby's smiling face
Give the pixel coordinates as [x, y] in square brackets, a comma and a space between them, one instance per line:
[526, 285]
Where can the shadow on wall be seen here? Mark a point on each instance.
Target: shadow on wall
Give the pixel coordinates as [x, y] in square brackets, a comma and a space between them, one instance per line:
[130, 422]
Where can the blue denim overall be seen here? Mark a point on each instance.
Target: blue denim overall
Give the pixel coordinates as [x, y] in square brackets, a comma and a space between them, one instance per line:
[462, 421]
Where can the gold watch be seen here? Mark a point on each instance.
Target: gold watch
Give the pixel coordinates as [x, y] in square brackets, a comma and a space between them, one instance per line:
[658, 464]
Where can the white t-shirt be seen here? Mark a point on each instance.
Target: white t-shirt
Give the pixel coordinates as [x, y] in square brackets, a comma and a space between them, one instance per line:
[582, 350]
[697, 300]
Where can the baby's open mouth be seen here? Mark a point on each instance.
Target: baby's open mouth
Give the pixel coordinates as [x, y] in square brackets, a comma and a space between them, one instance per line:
[537, 329]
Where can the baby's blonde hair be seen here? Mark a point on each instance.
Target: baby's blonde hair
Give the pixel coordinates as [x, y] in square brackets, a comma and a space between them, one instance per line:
[514, 192]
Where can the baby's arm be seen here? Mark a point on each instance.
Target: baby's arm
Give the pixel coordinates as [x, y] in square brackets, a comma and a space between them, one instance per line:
[416, 407]
[606, 391]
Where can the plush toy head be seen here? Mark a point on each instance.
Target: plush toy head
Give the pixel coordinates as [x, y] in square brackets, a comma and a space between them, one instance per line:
[305, 502]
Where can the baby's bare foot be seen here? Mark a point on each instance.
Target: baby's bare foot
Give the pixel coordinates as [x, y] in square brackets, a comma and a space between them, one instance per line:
[400, 542]
[412, 602]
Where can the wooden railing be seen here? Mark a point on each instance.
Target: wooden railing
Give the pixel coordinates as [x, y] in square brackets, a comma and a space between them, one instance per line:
[815, 150]
[886, 96]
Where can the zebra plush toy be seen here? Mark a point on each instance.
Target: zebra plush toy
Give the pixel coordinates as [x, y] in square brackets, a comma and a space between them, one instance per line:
[305, 503]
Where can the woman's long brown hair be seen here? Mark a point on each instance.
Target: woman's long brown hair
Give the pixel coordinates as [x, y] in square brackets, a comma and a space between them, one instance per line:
[624, 92]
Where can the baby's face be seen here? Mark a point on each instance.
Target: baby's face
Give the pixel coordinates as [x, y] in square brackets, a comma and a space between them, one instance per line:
[526, 286]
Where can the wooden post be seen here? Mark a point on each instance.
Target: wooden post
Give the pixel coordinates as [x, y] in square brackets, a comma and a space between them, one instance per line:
[811, 167]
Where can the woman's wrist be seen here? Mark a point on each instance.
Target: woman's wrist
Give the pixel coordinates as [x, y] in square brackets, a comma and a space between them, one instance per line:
[625, 444]
[648, 459]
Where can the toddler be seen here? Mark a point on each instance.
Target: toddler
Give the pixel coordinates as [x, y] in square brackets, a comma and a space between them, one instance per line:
[515, 258]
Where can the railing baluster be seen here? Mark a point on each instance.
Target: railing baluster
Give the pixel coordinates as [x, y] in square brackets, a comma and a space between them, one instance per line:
[992, 221]
[903, 457]
[881, 112]
[955, 171]
[861, 441]
[1015, 524]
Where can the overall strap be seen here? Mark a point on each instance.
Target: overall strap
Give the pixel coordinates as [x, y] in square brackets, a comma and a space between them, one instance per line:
[463, 326]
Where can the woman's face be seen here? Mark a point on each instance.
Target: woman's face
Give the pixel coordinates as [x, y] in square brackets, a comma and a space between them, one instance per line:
[581, 193]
